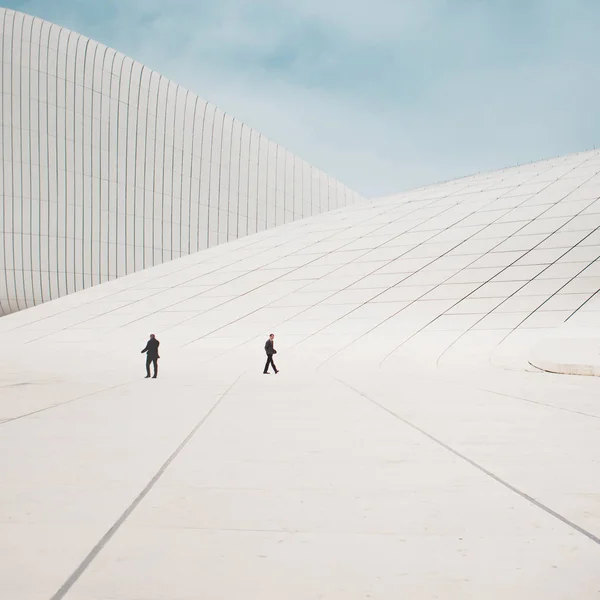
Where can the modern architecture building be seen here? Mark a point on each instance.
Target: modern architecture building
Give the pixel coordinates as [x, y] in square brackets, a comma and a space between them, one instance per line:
[408, 446]
[429, 434]
[108, 167]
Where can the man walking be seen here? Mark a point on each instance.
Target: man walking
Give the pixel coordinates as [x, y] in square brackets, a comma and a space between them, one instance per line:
[270, 351]
[152, 356]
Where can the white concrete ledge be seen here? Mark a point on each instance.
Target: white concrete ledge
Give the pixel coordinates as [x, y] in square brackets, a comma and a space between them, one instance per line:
[575, 356]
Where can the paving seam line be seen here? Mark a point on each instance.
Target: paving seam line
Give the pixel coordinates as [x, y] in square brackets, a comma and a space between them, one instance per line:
[80, 570]
[479, 467]
[64, 403]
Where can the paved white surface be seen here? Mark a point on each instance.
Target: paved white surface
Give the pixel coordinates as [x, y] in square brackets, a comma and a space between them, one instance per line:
[406, 449]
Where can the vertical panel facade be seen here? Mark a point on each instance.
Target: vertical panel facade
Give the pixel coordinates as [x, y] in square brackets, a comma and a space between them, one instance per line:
[108, 167]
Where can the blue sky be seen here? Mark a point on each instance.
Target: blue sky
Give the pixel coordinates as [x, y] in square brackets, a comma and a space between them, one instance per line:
[386, 95]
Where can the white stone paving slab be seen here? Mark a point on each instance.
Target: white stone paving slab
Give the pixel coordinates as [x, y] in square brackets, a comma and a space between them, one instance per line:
[407, 448]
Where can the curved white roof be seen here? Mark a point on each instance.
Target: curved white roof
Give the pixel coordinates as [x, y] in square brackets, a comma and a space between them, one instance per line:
[109, 168]
[408, 448]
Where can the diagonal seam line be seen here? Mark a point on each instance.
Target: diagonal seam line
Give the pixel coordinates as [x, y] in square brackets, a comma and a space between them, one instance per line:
[59, 404]
[80, 570]
[513, 397]
[426, 265]
[456, 453]
[503, 269]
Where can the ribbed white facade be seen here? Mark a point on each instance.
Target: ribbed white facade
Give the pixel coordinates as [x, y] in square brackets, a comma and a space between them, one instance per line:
[108, 168]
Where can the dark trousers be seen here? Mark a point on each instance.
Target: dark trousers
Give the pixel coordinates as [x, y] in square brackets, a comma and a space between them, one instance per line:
[154, 361]
[270, 362]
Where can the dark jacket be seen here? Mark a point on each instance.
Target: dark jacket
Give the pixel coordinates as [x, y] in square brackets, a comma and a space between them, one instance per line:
[152, 348]
[269, 348]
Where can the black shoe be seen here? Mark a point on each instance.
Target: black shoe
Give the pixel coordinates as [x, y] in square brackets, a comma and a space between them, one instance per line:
[147, 376]
[276, 372]
[153, 376]
[266, 373]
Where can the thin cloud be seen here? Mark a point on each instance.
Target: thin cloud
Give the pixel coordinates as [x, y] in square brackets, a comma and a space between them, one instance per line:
[385, 96]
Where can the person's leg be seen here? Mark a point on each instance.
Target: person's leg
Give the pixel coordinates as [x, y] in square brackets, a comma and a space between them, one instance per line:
[273, 365]
[148, 361]
[155, 364]
[269, 359]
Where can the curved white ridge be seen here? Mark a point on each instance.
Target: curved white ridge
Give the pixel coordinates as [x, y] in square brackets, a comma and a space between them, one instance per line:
[109, 167]
[473, 272]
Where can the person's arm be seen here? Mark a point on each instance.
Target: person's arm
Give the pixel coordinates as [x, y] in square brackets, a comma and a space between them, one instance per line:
[145, 349]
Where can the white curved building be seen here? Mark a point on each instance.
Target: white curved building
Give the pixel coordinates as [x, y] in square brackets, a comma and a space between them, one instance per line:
[413, 445]
[407, 448]
[109, 167]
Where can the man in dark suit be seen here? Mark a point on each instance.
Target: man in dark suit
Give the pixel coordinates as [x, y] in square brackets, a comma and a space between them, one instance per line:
[152, 356]
[270, 350]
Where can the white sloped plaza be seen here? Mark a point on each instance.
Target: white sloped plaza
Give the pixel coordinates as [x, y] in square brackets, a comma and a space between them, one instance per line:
[412, 445]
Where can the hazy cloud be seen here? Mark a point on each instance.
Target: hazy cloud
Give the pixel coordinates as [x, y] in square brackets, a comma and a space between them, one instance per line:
[384, 95]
